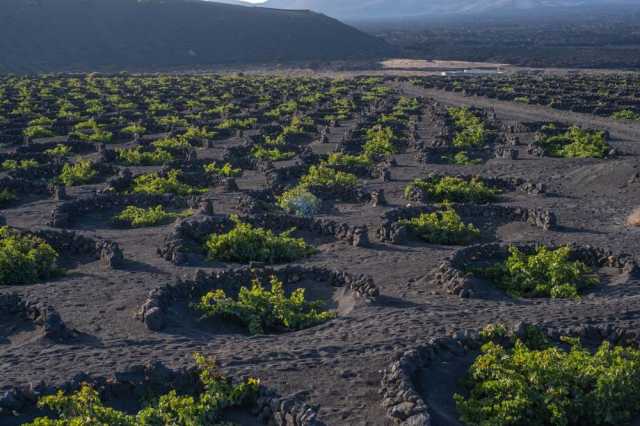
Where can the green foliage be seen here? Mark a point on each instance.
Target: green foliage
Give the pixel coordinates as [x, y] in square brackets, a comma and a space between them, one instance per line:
[58, 151]
[326, 177]
[134, 129]
[153, 183]
[172, 144]
[238, 123]
[551, 386]
[90, 131]
[6, 196]
[453, 189]
[85, 408]
[245, 244]
[79, 173]
[522, 99]
[340, 159]
[137, 217]
[227, 170]
[462, 159]
[379, 142]
[576, 143]
[35, 132]
[299, 201]
[626, 114]
[546, 273]
[470, 129]
[137, 157]
[25, 259]
[22, 164]
[443, 227]
[262, 310]
[273, 154]
[194, 135]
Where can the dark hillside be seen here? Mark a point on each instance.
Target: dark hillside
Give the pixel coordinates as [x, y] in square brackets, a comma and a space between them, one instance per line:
[61, 35]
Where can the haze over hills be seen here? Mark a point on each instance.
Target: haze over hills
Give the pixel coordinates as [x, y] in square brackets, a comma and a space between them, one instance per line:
[376, 9]
[78, 35]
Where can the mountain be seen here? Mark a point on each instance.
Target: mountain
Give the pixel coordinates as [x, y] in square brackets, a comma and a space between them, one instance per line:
[110, 35]
[377, 9]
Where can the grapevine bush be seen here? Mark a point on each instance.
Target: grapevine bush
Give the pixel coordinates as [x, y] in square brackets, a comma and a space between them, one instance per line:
[153, 183]
[85, 408]
[576, 143]
[546, 273]
[263, 310]
[79, 173]
[25, 259]
[247, 244]
[443, 227]
[453, 189]
[525, 386]
[137, 217]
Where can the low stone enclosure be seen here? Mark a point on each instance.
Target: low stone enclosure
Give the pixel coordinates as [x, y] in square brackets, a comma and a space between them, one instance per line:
[401, 390]
[185, 244]
[76, 246]
[65, 214]
[501, 184]
[393, 231]
[14, 311]
[155, 311]
[18, 405]
[451, 277]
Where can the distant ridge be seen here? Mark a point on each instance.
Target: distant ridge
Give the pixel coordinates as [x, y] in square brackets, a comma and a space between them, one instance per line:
[80, 35]
[381, 9]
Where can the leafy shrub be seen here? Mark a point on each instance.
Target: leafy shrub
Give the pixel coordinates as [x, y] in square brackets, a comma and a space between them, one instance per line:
[551, 386]
[58, 151]
[137, 157]
[22, 164]
[326, 177]
[340, 159]
[195, 135]
[227, 170]
[25, 259]
[546, 273]
[262, 310]
[138, 217]
[35, 132]
[238, 123]
[246, 244]
[470, 129]
[462, 159]
[172, 144]
[626, 114]
[90, 131]
[7, 196]
[299, 201]
[273, 154]
[379, 142]
[576, 143]
[134, 129]
[443, 227]
[79, 173]
[153, 183]
[84, 408]
[453, 189]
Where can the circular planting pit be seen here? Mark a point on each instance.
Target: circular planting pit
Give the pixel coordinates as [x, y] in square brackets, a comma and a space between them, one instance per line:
[186, 244]
[99, 211]
[396, 228]
[492, 188]
[418, 388]
[171, 306]
[130, 391]
[459, 274]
